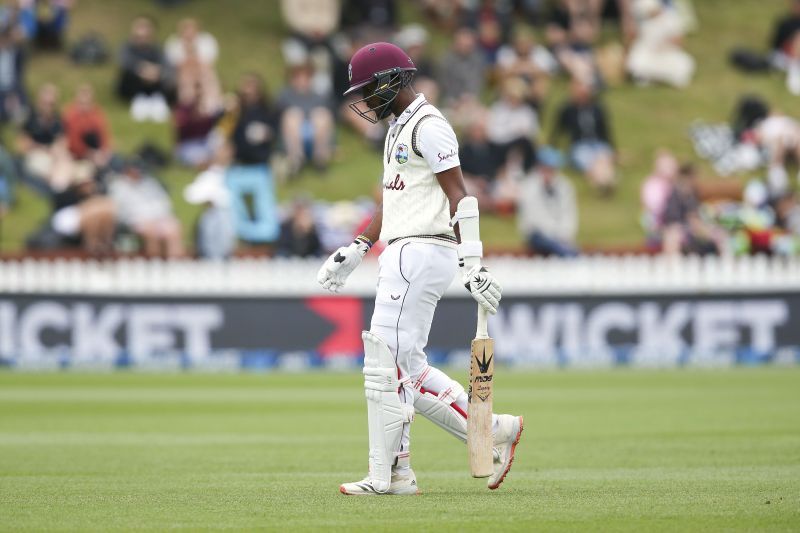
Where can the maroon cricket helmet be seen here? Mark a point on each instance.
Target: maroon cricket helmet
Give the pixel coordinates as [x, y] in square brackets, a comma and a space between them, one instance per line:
[389, 67]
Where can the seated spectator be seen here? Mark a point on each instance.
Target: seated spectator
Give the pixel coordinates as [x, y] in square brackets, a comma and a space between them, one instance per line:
[380, 15]
[254, 132]
[656, 54]
[145, 207]
[655, 193]
[573, 48]
[547, 211]
[145, 78]
[45, 21]
[586, 124]
[43, 145]
[298, 236]
[191, 54]
[215, 232]
[462, 72]
[478, 160]
[86, 127]
[312, 23]
[81, 213]
[194, 124]
[785, 46]
[685, 231]
[13, 96]
[414, 39]
[306, 122]
[512, 124]
[492, 21]
[529, 61]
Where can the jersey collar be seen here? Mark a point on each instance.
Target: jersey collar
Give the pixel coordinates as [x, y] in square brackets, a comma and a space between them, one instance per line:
[412, 107]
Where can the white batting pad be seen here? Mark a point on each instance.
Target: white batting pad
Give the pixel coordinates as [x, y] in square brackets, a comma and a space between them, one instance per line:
[385, 413]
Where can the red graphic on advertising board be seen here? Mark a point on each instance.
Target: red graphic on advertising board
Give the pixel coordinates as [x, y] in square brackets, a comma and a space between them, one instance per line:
[347, 317]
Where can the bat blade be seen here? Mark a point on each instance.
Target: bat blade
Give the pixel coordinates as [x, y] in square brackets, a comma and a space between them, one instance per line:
[480, 397]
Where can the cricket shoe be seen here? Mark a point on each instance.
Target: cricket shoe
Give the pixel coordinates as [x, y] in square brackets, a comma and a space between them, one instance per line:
[402, 485]
[509, 430]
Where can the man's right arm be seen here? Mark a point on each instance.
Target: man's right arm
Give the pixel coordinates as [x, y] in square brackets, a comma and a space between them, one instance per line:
[373, 229]
[342, 262]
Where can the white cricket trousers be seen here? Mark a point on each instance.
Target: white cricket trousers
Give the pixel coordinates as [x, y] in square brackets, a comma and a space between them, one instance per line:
[412, 277]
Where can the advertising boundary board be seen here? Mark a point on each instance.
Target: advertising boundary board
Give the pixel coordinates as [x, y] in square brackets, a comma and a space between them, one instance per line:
[40, 331]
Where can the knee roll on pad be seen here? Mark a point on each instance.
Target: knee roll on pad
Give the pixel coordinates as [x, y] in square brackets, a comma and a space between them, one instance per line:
[386, 415]
[437, 409]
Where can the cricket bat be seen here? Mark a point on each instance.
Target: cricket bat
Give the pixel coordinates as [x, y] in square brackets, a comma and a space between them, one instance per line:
[479, 416]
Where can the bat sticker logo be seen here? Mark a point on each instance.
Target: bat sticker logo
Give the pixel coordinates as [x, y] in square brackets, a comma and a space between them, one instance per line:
[483, 366]
[338, 258]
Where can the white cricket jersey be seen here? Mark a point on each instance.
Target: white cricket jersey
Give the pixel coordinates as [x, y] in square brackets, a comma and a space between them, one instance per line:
[419, 144]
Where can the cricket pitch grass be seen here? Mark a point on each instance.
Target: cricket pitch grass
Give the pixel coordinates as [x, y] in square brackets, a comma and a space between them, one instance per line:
[620, 450]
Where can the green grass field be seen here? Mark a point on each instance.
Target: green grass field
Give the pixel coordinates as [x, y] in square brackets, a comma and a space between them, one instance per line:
[620, 450]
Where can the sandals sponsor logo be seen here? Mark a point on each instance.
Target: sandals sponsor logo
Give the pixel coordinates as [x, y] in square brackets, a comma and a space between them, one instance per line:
[396, 185]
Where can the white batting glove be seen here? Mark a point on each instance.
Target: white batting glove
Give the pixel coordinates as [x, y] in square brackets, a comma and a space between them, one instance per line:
[340, 264]
[483, 287]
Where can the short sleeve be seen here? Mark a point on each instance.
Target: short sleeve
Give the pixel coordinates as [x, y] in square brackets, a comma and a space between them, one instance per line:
[437, 143]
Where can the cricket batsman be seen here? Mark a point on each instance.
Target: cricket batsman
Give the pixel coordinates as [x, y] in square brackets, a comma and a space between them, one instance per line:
[423, 213]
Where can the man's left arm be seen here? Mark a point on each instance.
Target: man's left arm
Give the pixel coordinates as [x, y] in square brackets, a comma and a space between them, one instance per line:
[481, 284]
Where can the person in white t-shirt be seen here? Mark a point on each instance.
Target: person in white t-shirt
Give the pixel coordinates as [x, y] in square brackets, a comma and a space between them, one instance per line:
[431, 227]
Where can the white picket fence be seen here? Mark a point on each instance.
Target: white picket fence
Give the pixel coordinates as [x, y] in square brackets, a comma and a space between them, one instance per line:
[297, 277]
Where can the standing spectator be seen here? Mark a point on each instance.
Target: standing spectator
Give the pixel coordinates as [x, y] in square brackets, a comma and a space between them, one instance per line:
[250, 179]
[547, 211]
[192, 54]
[656, 54]
[306, 122]
[655, 193]
[685, 231]
[86, 127]
[254, 132]
[13, 95]
[145, 77]
[42, 142]
[215, 232]
[145, 207]
[463, 69]
[586, 124]
[299, 233]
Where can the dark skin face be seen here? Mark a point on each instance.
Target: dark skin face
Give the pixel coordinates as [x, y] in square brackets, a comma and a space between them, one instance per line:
[451, 180]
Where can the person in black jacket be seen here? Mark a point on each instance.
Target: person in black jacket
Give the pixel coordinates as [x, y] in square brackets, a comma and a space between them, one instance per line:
[255, 129]
[145, 78]
[586, 123]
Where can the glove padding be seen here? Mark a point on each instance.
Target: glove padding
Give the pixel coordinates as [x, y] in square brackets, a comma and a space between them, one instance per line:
[340, 264]
[483, 288]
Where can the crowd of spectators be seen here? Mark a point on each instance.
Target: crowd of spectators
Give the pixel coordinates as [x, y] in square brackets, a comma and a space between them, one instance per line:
[493, 82]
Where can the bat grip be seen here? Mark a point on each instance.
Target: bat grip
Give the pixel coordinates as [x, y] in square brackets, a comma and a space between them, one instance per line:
[483, 324]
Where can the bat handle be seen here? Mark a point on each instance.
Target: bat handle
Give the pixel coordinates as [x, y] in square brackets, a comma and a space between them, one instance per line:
[483, 324]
